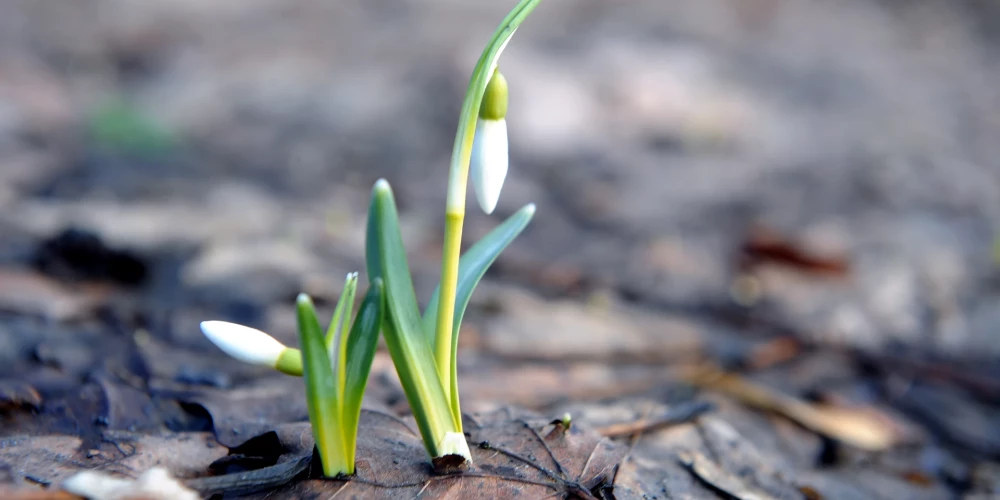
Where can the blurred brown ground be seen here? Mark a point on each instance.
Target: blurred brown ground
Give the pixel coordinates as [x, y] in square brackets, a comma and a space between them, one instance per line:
[710, 176]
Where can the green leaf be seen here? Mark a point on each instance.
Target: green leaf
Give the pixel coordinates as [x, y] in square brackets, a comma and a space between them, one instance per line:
[360, 352]
[473, 266]
[321, 392]
[411, 353]
[336, 334]
[345, 302]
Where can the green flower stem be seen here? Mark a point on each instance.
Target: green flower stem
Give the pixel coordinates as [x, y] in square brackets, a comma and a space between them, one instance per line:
[458, 178]
[446, 305]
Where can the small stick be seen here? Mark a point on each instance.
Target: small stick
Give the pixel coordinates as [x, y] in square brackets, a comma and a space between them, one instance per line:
[678, 414]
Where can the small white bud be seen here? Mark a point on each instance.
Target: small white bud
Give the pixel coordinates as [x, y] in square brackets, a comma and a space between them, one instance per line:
[243, 343]
[488, 167]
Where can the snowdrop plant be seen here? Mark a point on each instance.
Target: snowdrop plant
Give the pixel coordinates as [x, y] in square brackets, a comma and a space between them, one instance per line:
[423, 346]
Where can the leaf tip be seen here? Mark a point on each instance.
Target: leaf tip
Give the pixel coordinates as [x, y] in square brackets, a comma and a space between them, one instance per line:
[303, 300]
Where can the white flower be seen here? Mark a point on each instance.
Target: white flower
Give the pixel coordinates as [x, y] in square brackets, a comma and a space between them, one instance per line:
[244, 343]
[489, 161]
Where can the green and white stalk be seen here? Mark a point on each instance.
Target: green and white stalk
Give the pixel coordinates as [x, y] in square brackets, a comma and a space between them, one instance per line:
[445, 348]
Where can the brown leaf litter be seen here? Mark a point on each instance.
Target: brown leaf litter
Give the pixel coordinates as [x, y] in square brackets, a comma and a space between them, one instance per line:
[514, 455]
[863, 427]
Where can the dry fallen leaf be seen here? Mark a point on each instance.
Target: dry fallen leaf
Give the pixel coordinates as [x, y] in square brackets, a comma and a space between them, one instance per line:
[34, 294]
[514, 455]
[862, 427]
[574, 331]
[17, 394]
[41, 459]
[51, 459]
[718, 478]
[250, 410]
[672, 415]
[154, 484]
[9, 493]
[538, 384]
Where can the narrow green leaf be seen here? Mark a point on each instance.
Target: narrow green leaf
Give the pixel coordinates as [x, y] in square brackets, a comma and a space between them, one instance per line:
[411, 353]
[321, 392]
[473, 266]
[360, 352]
[471, 269]
[345, 302]
[336, 335]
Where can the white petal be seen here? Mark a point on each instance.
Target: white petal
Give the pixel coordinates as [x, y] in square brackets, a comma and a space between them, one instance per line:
[488, 166]
[243, 343]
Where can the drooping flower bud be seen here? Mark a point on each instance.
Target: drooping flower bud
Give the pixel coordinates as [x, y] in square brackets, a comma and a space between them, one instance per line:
[244, 343]
[488, 166]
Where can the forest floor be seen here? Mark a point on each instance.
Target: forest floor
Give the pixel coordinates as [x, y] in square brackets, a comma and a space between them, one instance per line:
[764, 262]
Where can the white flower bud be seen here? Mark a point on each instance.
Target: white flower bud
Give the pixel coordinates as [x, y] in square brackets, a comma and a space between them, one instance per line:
[243, 343]
[488, 167]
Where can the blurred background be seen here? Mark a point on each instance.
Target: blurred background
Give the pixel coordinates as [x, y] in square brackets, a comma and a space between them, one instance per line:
[713, 177]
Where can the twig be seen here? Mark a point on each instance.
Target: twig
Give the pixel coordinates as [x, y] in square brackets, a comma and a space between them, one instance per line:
[677, 414]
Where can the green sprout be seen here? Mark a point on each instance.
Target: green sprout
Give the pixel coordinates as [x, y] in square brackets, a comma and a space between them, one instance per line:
[566, 421]
[423, 347]
[335, 369]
